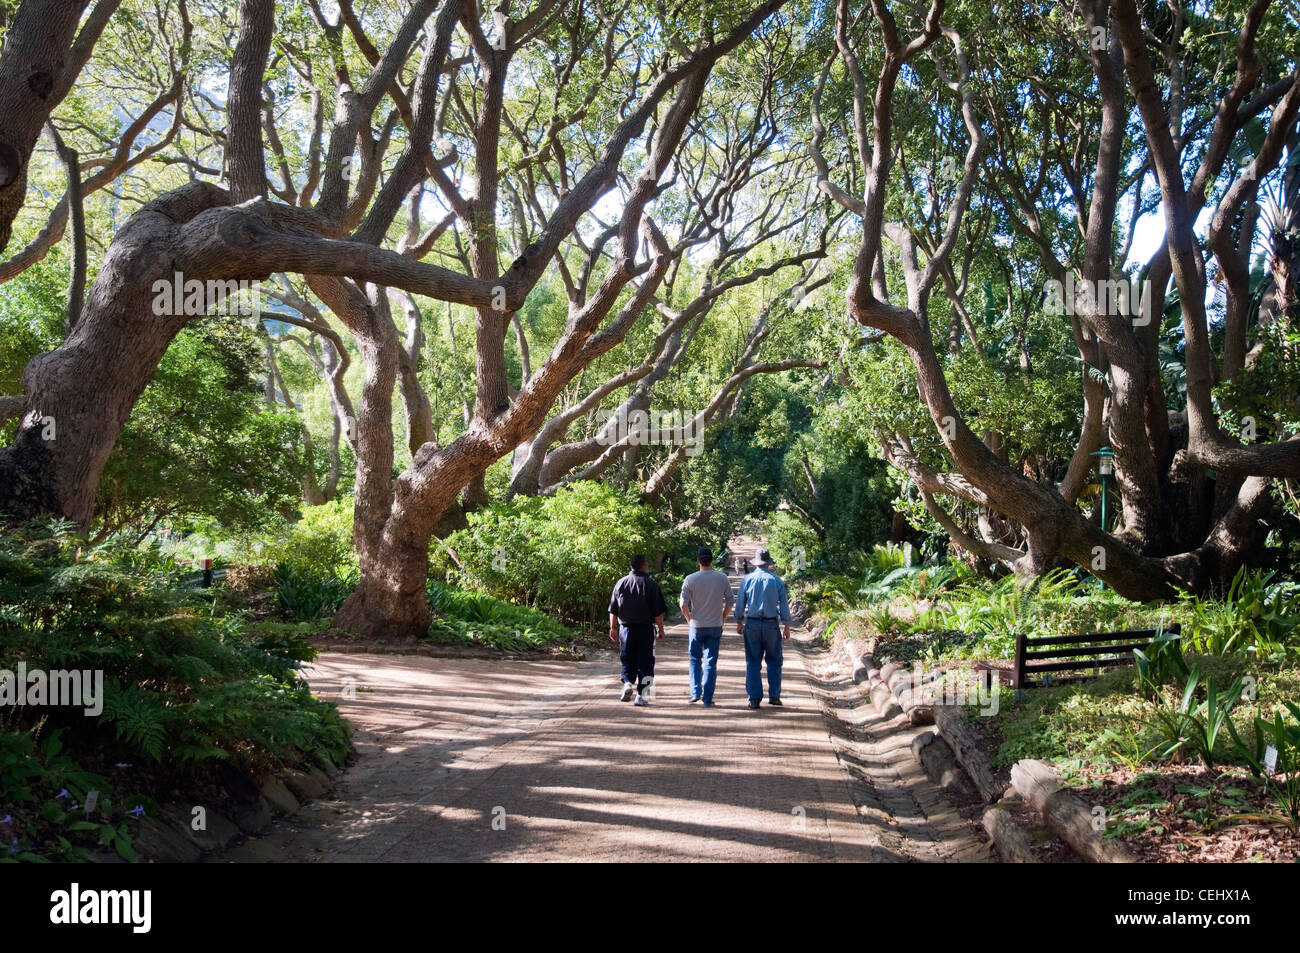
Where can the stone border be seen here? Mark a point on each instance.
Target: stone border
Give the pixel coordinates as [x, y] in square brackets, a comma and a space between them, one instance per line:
[892, 689]
[1011, 840]
[170, 837]
[893, 693]
[939, 763]
[951, 723]
[949, 754]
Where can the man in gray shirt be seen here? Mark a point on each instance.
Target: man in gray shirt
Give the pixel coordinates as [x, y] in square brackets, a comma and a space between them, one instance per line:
[706, 603]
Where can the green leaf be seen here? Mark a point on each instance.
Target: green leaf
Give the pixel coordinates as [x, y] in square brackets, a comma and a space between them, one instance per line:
[1255, 134]
[124, 849]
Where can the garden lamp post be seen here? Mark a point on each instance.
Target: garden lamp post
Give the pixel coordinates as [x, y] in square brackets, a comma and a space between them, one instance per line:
[1105, 468]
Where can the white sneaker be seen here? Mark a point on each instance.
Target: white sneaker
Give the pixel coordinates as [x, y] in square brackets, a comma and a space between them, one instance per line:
[641, 701]
[628, 691]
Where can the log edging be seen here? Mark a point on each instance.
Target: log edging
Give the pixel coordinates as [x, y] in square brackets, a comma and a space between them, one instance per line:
[1066, 814]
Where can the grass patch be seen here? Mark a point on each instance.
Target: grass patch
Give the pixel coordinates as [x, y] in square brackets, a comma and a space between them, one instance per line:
[1108, 721]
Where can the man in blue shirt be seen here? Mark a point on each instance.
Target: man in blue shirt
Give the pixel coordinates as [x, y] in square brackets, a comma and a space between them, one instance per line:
[762, 609]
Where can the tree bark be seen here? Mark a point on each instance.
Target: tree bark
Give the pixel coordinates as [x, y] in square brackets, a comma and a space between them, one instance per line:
[38, 64]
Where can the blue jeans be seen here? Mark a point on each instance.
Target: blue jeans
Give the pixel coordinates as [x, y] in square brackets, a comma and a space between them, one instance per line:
[704, 655]
[762, 638]
[636, 644]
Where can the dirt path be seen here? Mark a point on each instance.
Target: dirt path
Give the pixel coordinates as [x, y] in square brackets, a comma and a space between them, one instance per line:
[470, 760]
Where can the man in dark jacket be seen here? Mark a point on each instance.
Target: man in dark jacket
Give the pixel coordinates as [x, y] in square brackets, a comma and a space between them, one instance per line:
[636, 610]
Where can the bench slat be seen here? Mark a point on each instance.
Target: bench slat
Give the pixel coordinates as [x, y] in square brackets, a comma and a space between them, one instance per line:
[1088, 650]
[1102, 636]
[1071, 666]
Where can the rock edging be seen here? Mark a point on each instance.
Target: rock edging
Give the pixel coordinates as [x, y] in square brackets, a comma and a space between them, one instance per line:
[171, 835]
[1011, 840]
[951, 757]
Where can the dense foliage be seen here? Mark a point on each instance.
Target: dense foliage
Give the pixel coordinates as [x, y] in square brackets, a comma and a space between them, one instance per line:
[186, 684]
[560, 553]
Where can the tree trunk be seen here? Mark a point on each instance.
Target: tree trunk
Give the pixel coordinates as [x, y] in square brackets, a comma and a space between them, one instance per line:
[80, 395]
[38, 64]
[390, 600]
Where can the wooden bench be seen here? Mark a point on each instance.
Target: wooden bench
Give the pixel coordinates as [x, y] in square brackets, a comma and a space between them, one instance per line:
[1084, 656]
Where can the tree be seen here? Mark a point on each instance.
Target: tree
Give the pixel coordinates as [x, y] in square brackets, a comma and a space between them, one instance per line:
[43, 53]
[1156, 546]
[209, 232]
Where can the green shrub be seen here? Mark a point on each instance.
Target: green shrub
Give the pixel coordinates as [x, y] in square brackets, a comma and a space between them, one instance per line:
[1255, 615]
[42, 793]
[185, 684]
[794, 544]
[1161, 661]
[506, 638]
[1283, 736]
[1192, 726]
[306, 593]
[320, 542]
[561, 554]
[200, 445]
[312, 562]
[460, 612]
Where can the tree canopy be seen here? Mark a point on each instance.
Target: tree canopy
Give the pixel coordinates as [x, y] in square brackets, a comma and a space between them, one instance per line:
[864, 262]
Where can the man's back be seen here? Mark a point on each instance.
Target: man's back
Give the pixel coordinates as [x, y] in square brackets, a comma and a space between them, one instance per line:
[763, 596]
[637, 599]
[706, 595]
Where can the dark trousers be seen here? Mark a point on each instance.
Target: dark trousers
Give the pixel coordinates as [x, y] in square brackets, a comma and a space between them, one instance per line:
[636, 644]
[762, 638]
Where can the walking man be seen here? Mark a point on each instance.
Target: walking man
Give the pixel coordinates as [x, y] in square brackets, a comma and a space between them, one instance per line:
[636, 610]
[762, 609]
[706, 603]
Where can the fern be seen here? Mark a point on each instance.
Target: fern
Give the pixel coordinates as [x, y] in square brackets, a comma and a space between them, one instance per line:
[137, 719]
[184, 682]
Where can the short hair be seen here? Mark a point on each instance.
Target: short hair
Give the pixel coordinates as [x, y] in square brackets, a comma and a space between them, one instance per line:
[705, 560]
[638, 561]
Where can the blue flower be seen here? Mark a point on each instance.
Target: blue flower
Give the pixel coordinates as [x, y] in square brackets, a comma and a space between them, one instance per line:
[62, 794]
[137, 811]
[7, 819]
